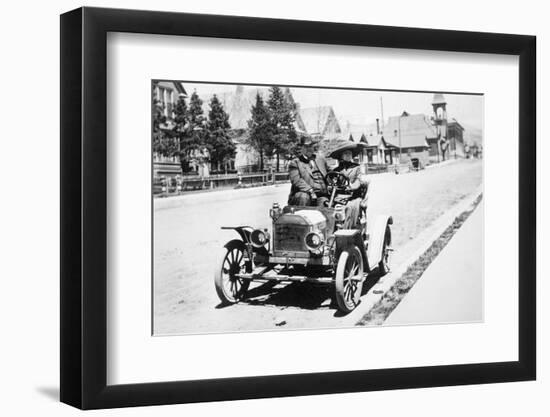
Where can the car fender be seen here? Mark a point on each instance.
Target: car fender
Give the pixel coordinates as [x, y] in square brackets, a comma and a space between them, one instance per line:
[244, 232]
[347, 238]
[235, 243]
[376, 231]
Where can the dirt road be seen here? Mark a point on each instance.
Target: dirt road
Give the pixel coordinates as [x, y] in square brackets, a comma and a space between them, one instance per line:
[188, 243]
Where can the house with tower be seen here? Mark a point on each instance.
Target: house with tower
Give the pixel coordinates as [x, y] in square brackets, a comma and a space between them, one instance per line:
[449, 142]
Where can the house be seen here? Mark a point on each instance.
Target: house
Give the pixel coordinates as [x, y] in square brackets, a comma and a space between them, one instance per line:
[409, 134]
[455, 133]
[377, 151]
[320, 122]
[166, 94]
[237, 104]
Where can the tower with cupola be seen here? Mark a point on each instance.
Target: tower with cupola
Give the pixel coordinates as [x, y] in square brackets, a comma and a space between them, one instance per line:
[439, 106]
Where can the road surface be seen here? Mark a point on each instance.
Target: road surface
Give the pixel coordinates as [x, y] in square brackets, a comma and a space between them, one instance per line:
[188, 243]
[444, 294]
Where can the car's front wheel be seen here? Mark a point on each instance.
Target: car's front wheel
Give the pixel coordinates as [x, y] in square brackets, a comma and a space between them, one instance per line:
[229, 286]
[349, 279]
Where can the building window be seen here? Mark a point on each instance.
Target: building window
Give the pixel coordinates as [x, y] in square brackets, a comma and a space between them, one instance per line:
[165, 101]
[157, 93]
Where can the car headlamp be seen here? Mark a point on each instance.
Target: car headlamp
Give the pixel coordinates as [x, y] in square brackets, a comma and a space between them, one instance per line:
[258, 238]
[275, 211]
[313, 241]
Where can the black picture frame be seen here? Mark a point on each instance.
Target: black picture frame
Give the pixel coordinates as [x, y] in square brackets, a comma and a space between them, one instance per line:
[84, 207]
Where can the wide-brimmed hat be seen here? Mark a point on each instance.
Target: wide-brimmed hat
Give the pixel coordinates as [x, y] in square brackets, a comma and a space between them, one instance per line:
[355, 148]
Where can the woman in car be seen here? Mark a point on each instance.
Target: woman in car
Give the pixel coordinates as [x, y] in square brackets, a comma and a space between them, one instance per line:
[358, 183]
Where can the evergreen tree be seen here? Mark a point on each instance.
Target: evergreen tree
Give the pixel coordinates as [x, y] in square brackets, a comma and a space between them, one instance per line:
[163, 142]
[218, 142]
[282, 115]
[189, 128]
[259, 137]
[158, 120]
[180, 131]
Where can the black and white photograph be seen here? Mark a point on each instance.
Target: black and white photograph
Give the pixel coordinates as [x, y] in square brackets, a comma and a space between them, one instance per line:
[271, 209]
[280, 207]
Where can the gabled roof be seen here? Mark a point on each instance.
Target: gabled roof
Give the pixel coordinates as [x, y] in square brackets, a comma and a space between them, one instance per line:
[411, 124]
[416, 140]
[174, 85]
[414, 130]
[366, 129]
[238, 103]
[379, 140]
[354, 135]
[453, 121]
[357, 136]
[319, 120]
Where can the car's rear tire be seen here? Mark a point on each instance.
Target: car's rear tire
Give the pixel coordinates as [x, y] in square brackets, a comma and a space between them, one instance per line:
[231, 289]
[349, 279]
[384, 265]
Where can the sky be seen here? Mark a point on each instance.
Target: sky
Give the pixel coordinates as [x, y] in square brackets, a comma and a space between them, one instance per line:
[364, 106]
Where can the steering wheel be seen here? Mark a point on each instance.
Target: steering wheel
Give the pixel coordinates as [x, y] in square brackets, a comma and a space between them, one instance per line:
[337, 179]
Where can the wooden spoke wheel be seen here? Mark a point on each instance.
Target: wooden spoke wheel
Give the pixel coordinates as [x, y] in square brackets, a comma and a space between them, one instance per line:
[349, 279]
[384, 265]
[229, 287]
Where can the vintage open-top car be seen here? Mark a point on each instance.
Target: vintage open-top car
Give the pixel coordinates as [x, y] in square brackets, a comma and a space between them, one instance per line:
[308, 244]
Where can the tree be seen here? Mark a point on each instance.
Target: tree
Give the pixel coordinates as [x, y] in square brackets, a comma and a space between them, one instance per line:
[259, 136]
[163, 142]
[282, 117]
[180, 131]
[189, 128]
[218, 142]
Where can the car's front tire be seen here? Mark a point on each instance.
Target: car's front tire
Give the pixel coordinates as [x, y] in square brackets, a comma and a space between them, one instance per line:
[231, 289]
[349, 279]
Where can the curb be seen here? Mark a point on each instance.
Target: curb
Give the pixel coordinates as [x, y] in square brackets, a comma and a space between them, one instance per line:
[422, 242]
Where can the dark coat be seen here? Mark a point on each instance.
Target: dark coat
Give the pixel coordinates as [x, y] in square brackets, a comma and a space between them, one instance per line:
[301, 177]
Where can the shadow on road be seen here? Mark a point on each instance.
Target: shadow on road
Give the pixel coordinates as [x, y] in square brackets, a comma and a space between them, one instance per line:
[301, 295]
[298, 294]
[371, 281]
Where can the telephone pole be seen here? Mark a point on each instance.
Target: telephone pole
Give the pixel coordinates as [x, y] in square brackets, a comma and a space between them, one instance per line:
[382, 112]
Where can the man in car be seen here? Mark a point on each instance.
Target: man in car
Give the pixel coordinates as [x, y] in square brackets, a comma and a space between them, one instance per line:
[358, 183]
[307, 176]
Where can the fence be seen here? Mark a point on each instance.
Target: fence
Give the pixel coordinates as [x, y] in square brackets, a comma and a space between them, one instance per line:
[177, 185]
[166, 186]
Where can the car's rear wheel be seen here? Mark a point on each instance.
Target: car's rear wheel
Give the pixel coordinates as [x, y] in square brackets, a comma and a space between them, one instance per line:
[384, 265]
[349, 279]
[229, 287]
